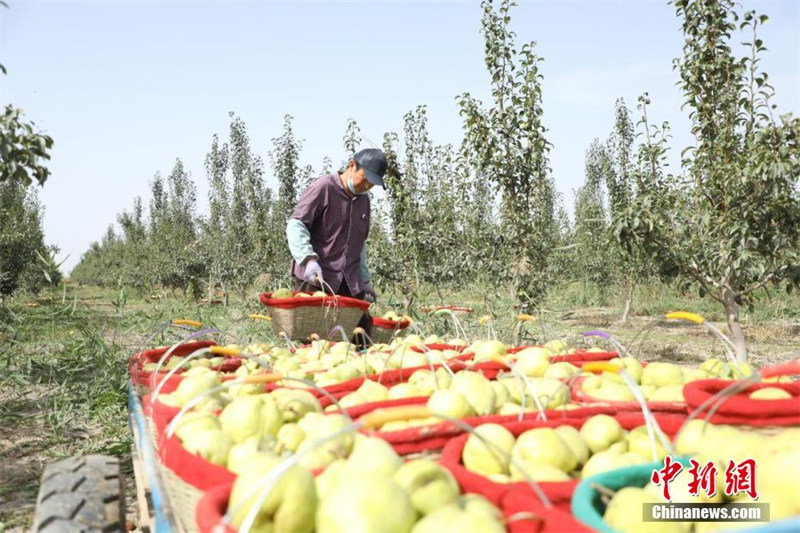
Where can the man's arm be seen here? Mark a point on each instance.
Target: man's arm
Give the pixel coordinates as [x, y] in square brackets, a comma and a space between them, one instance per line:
[299, 241]
[302, 218]
[362, 267]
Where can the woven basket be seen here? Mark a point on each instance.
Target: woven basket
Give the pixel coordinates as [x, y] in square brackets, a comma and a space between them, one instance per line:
[184, 498]
[383, 330]
[152, 433]
[302, 317]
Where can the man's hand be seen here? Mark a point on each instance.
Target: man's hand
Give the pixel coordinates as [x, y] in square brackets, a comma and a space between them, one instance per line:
[369, 293]
[313, 273]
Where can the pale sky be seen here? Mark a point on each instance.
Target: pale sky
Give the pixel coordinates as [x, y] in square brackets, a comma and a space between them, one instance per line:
[125, 88]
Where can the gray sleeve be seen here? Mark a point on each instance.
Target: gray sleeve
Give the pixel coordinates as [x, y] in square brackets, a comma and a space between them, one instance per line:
[362, 267]
[299, 240]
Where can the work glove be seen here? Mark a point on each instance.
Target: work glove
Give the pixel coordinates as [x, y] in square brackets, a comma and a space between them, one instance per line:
[313, 273]
[369, 292]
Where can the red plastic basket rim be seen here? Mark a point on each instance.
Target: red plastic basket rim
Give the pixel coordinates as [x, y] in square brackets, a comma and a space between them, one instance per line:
[385, 323]
[292, 303]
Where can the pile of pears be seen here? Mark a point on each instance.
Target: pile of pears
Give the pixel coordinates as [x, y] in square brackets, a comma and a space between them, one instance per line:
[777, 455]
[557, 454]
[367, 489]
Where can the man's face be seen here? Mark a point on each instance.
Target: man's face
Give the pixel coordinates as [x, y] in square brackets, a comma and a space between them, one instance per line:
[360, 183]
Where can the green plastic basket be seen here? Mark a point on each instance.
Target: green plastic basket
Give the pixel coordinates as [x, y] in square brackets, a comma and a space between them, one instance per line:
[587, 504]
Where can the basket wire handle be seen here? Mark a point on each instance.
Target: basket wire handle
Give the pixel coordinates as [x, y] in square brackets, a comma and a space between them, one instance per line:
[174, 347]
[270, 480]
[623, 352]
[697, 319]
[653, 428]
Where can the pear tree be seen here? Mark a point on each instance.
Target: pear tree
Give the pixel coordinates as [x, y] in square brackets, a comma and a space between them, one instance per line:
[729, 224]
[508, 138]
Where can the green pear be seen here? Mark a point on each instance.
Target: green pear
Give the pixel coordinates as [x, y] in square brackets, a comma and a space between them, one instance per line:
[451, 518]
[661, 374]
[690, 439]
[533, 361]
[624, 513]
[668, 393]
[501, 394]
[359, 504]
[373, 391]
[632, 367]
[289, 437]
[443, 378]
[193, 386]
[552, 393]
[741, 370]
[573, 439]
[290, 506]
[556, 346]
[210, 404]
[770, 393]
[373, 455]
[489, 351]
[194, 421]
[403, 390]
[295, 403]
[639, 442]
[613, 392]
[318, 426]
[170, 400]
[609, 460]
[621, 445]
[538, 472]
[450, 403]
[347, 401]
[476, 389]
[511, 409]
[429, 485]
[600, 432]
[424, 381]
[329, 478]
[715, 367]
[173, 362]
[543, 445]
[693, 374]
[283, 293]
[246, 389]
[248, 416]
[561, 370]
[591, 383]
[240, 454]
[492, 458]
[197, 370]
[211, 444]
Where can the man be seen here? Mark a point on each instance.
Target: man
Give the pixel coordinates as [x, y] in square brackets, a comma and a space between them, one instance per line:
[328, 228]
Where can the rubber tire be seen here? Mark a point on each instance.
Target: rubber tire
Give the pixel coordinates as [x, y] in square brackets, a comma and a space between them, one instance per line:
[81, 494]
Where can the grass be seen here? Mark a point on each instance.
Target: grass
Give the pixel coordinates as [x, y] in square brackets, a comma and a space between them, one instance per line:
[63, 370]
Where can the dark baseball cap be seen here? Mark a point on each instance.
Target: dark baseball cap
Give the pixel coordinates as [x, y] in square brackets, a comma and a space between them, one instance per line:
[374, 163]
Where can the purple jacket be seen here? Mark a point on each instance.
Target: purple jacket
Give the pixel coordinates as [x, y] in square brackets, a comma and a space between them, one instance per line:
[339, 226]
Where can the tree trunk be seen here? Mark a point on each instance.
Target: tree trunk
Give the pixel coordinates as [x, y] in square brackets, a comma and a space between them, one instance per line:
[734, 326]
[627, 286]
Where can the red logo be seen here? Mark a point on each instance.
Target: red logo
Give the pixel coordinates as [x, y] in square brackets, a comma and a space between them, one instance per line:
[741, 478]
[666, 474]
[704, 478]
